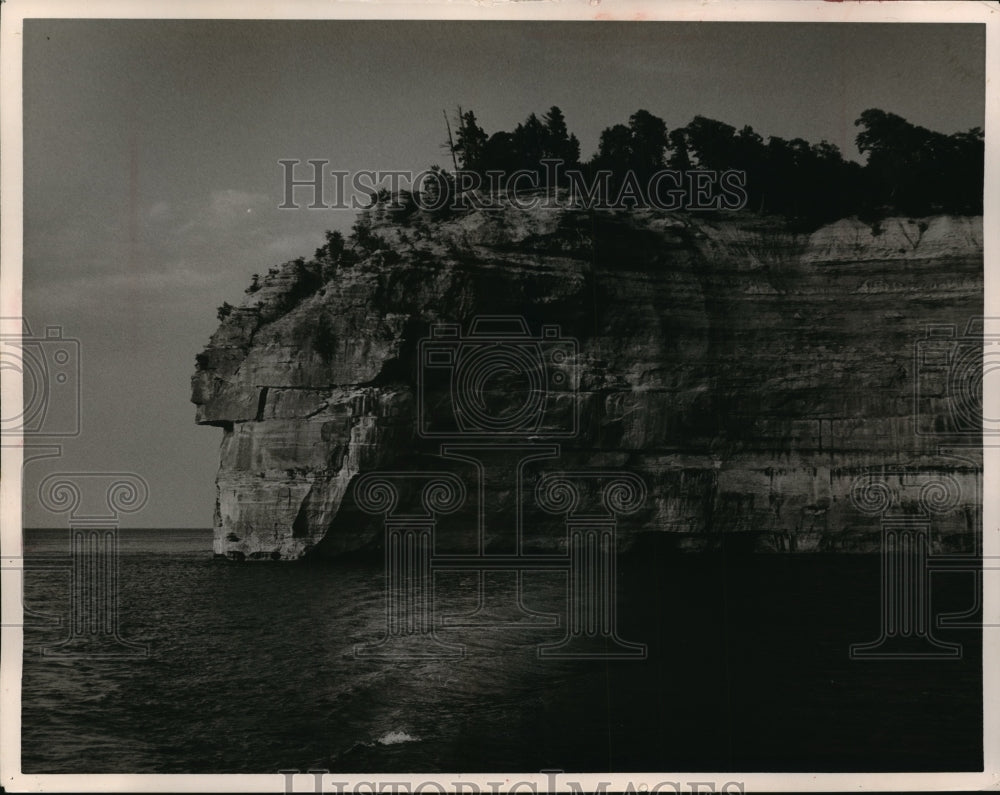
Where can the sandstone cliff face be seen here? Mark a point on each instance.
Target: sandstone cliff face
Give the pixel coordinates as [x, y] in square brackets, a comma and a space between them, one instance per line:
[749, 375]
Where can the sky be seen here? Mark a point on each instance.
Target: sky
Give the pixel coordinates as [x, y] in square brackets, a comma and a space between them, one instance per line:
[152, 181]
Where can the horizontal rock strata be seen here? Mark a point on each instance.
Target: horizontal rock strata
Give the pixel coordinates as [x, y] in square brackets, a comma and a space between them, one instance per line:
[747, 374]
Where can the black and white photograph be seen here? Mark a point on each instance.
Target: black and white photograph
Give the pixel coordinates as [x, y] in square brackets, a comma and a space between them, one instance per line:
[505, 398]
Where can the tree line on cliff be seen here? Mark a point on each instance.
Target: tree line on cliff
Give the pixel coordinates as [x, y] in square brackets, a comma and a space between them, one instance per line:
[909, 169]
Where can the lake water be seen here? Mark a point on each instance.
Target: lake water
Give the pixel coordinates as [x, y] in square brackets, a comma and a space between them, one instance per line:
[250, 669]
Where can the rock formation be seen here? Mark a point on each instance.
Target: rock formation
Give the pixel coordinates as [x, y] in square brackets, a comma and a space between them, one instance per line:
[748, 374]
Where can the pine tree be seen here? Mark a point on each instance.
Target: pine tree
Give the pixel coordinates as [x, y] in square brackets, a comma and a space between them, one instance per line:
[559, 144]
[647, 143]
[679, 160]
[470, 143]
[529, 143]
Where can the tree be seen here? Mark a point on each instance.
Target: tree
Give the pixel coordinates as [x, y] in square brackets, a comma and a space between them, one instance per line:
[499, 153]
[614, 150]
[647, 143]
[712, 143]
[680, 160]
[559, 144]
[329, 255]
[965, 167]
[909, 169]
[470, 142]
[529, 142]
[907, 164]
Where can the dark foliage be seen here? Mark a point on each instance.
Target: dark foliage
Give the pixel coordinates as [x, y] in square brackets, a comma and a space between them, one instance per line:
[909, 170]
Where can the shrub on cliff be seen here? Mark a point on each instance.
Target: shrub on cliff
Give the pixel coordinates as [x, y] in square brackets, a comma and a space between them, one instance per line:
[364, 238]
[438, 195]
[332, 249]
[329, 255]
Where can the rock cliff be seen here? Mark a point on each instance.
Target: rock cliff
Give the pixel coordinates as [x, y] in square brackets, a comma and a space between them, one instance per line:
[748, 374]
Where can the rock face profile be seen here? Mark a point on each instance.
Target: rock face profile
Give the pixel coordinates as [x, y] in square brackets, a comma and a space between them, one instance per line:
[752, 377]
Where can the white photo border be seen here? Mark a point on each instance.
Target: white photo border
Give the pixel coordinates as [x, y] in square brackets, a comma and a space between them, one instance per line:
[12, 16]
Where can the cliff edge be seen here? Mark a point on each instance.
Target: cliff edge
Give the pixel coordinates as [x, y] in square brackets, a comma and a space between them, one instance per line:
[748, 374]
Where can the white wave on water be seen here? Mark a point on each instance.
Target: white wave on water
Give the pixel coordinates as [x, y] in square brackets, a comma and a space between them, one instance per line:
[395, 738]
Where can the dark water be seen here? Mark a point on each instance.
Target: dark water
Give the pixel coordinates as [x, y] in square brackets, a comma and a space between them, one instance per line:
[250, 669]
